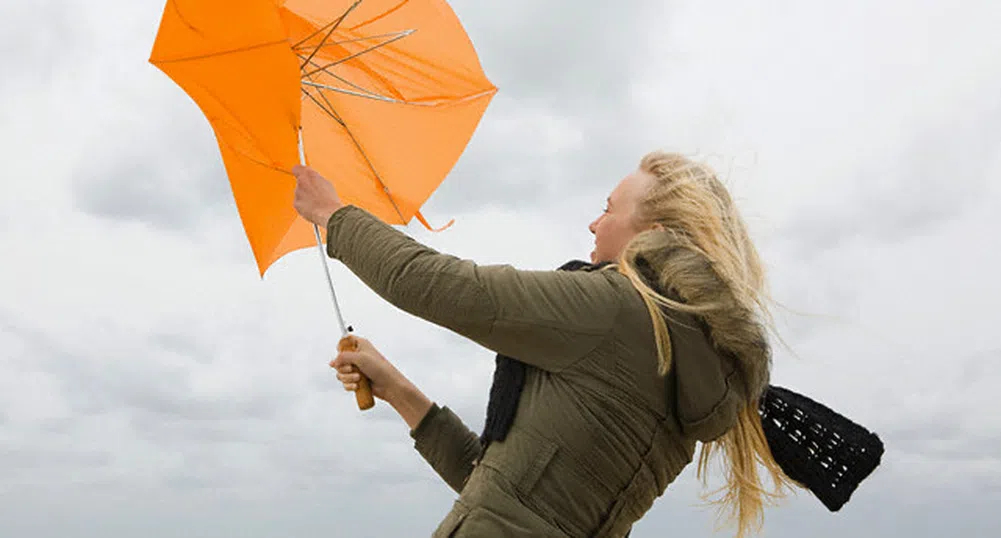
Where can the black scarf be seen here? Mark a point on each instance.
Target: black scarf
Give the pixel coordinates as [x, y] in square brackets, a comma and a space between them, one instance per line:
[509, 378]
[820, 449]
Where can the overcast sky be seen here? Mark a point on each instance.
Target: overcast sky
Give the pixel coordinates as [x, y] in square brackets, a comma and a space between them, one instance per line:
[151, 384]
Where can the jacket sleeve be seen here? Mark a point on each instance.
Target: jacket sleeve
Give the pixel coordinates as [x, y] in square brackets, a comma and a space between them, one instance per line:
[449, 447]
[548, 319]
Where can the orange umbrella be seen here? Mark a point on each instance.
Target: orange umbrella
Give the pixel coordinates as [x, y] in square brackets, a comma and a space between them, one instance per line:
[387, 94]
[384, 93]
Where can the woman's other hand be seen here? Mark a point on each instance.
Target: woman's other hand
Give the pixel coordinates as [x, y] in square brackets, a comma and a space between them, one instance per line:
[384, 377]
[316, 198]
[388, 384]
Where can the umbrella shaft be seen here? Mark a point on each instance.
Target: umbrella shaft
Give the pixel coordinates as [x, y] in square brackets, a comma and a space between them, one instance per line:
[323, 255]
[330, 281]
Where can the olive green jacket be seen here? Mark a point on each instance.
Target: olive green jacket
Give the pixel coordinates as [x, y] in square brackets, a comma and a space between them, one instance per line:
[598, 434]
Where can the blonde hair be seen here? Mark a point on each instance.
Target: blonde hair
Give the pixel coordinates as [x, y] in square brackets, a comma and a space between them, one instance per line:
[699, 248]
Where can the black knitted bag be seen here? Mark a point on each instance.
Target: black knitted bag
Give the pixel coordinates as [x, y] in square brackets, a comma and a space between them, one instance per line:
[815, 446]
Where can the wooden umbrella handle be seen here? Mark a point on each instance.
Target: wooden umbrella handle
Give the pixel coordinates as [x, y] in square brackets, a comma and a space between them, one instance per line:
[364, 392]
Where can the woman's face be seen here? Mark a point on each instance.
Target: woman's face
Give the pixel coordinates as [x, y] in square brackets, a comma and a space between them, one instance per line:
[617, 225]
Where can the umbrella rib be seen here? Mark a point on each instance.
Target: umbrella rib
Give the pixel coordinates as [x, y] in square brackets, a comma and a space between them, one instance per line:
[335, 23]
[368, 93]
[333, 114]
[328, 111]
[428, 101]
[330, 106]
[329, 33]
[217, 53]
[397, 37]
[374, 171]
[365, 95]
[355, 40]
[317, 49]
[336, 117]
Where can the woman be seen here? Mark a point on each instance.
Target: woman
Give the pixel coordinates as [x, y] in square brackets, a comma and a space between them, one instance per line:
[608, 374]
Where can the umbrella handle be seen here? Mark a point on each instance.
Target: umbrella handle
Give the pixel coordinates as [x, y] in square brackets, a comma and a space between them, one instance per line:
[364, 392]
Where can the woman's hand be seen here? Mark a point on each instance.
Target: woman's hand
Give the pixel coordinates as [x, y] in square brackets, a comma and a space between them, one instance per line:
[316, 198]
[385, 379]
[388, 384]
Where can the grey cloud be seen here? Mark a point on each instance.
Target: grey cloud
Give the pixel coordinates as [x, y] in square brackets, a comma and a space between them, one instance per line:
[935, 177]
[157, 390]
[26, 459]
[472, 411]
[6, 217]
[148, 154]
[570, 55]
[565, 62]
[162, 393]
[939, 427]
[37, 39]
[188, 478]
[944, 441]
[510, 170]
[976, 368]
[165, 173]
[138, 410]
[180, 342]
[328, 470]
[946, 449]
[883, 515]
[173, 429]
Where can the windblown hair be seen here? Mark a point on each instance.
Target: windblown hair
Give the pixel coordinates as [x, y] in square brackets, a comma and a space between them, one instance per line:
[700, 250]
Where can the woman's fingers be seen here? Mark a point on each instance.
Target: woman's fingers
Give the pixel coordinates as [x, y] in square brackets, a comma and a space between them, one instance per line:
[346, 369]
[348, 377]
[353, 366]
[347, 359]
[349, 380]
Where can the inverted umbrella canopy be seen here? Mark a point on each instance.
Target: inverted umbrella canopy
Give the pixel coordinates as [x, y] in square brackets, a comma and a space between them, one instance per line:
[385, 94]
